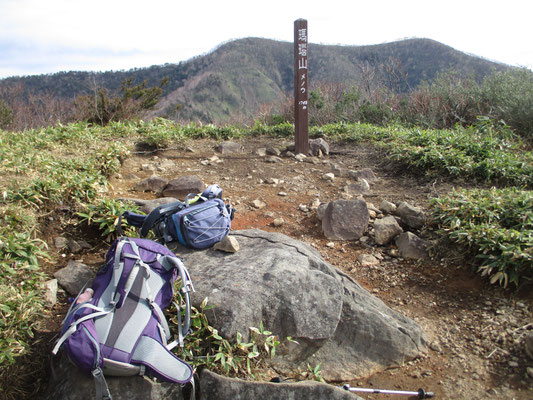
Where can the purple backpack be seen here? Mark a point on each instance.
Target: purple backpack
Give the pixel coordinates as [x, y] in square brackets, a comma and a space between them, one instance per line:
[122, 330]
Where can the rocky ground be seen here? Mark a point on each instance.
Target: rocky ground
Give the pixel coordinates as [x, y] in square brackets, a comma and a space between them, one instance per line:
[475, 332]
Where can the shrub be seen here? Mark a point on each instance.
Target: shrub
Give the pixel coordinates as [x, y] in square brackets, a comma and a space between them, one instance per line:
[496, 224]
[102, 107]
[510, 95]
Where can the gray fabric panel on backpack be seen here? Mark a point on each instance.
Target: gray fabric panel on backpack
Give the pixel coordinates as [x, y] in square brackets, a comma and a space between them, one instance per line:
[133, 328]
[124, 313]
[151, 352]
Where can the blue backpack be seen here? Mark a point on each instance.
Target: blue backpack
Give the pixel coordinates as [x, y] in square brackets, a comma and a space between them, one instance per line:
[122, 329]
[198, 223]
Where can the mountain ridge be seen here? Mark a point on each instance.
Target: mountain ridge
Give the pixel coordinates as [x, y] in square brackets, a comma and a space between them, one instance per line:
[239, 76]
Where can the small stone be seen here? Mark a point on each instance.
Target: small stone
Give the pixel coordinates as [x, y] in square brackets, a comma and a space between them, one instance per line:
[364, 239]
[50, 294]
[282, 194]
[300, 157]
[261, 152]
[278, 222]
[358, 188]
[273, 151]
[330, 245]
[530, 371]
[258, 204]
[303, 207]
[329, 176]
[387, 207]
[229, 147]
[60, 242]
[74, 246]
[272, 181]
[367, 260]
[513, 364]
[147, 168]
[339, 171]
[229, 245]
[273, 160]
[435, 347]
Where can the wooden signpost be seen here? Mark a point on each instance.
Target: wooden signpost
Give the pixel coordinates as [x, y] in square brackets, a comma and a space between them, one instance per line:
[301, 78]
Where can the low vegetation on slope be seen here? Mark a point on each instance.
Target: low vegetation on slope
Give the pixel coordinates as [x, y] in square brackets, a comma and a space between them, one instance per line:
[67, 167]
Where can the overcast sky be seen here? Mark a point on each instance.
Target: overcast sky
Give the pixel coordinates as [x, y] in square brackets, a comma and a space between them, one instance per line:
[46, 36]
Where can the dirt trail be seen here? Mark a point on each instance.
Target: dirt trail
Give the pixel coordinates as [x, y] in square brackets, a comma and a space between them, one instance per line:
[475, 331]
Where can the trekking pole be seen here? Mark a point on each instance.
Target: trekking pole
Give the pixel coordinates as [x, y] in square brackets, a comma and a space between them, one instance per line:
[421, 394]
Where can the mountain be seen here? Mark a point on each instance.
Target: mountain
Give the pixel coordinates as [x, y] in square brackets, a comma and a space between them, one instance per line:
[241, 75]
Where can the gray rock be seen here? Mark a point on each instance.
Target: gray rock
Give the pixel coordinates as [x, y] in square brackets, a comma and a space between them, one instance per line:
[74, 246]
[345, 219]
[330, 176]
[154, 184]
[148, 205]
[182, 186]
[50, 292]
[60, 242]
[412, 216]
[258, 204]
[321, 210]
[300, 157]
[386, 229]
[387, 207]
[411, 246]
[529, 345]
[72, 384]
[228, 244]
[365, 173]
[74, 276]
[367, 260]
[359, 187]
[278, 222]
[229, 147]
[216, 387]
[261, 152]
[339, 170]
[317, 146]
[273, 151]
[288, 286]
[273, 159]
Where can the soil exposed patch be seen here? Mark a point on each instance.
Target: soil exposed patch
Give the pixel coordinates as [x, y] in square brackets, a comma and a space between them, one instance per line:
[475, 330]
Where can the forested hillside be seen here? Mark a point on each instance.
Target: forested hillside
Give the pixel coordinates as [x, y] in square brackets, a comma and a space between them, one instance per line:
[240, 76]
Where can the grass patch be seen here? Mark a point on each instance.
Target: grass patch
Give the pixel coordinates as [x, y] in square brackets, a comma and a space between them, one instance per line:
[496, 225]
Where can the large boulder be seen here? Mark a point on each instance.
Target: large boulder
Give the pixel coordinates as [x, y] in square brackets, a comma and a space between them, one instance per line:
[345, 219]
[286, 284]
[69, 383]
[216, 387]
[182, 186]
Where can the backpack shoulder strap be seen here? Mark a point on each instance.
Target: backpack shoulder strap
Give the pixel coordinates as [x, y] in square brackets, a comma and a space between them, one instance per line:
[156, 214]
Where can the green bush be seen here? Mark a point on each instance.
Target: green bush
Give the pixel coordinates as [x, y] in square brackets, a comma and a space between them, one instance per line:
[496, 224]
[510, 95]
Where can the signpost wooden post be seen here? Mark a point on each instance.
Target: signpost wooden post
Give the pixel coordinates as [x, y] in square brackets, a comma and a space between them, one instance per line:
[301, 78]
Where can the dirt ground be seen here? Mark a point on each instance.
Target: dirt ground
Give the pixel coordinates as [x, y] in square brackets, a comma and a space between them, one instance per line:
[475, 331]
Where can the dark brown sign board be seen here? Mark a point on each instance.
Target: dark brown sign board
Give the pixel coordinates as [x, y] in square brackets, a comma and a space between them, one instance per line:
[301, 79]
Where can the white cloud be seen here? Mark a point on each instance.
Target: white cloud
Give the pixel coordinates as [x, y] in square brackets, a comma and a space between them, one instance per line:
[122, 34]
